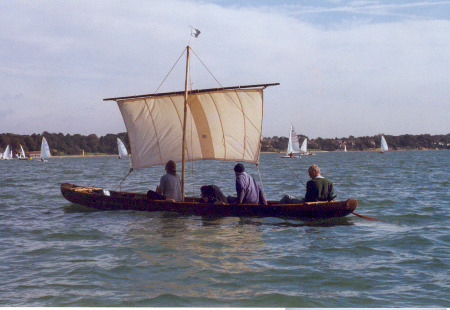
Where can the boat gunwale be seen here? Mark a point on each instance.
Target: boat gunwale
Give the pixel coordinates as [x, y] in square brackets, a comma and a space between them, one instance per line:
[94, 197]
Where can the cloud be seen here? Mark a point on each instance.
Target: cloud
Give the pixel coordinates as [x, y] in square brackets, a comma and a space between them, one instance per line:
[343, 76]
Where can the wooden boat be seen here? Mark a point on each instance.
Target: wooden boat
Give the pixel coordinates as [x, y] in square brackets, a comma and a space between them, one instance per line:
[111, 200]
[205, 124]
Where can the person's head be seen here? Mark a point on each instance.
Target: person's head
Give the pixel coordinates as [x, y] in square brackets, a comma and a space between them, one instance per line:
[207, 193]
[171, 167]
[239, 168]
[314, 171]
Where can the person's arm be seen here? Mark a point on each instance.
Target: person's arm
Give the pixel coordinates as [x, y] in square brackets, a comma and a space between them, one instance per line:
[311, 192]
[159, 189]
[331, 194]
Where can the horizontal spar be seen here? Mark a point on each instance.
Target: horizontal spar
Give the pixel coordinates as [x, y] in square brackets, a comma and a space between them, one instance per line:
[193, 91]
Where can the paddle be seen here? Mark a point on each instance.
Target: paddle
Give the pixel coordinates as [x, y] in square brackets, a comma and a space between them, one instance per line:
[365, 217]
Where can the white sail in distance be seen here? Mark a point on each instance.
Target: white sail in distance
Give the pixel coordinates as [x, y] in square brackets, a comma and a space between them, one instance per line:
[22, 152]
[7, 153]
[122, 149]
[304, 146]
[293, 145]
[224, 124]
[384, 146]
[45, 149]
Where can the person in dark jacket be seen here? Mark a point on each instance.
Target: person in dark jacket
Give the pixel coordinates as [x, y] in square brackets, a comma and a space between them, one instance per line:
[317, 189]
[247, 190]
[212, 194]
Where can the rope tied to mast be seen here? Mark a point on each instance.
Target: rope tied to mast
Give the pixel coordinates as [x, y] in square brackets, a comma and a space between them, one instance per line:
[100, 170]
[120, 184]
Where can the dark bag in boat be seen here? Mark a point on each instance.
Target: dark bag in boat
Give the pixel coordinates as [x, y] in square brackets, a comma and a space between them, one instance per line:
[152, 195]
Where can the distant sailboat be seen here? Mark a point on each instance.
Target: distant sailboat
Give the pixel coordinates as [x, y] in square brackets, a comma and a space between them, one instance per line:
[7, 154]
[292, 144]
[122, 149]
[45, 150]
[22, 154]
[384, 146]
[345, 148]
[304, 148]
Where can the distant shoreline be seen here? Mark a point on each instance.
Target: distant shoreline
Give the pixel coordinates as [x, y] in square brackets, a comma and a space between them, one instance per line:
[265, 152]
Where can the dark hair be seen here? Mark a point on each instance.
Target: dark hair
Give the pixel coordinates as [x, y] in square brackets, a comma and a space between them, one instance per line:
[239, 168]
[213, 193]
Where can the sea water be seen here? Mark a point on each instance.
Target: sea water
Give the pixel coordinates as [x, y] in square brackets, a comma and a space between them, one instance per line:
[54, 253]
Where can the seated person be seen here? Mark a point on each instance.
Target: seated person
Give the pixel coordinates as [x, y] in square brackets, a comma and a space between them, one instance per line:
[247, 190]
[212, 194]
[317, 189]
[169, 185]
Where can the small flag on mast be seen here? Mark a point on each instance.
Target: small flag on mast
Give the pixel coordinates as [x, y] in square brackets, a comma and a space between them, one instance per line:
[195, 32]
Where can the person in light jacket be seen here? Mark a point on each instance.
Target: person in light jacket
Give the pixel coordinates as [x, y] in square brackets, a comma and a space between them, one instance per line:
[247, 190]
[170, 183]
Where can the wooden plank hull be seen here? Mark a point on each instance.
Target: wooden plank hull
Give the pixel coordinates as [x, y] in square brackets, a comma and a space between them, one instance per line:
[95, 198]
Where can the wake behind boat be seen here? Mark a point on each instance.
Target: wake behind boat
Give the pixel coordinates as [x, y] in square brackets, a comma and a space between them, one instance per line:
[205, 124]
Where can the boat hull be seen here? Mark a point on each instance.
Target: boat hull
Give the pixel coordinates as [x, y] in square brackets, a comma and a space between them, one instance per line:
[95, 198]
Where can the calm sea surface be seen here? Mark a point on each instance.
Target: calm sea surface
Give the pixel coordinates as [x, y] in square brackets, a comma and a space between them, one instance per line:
[54, 253]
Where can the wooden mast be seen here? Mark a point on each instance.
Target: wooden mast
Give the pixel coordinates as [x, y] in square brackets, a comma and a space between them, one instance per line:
[183, 157]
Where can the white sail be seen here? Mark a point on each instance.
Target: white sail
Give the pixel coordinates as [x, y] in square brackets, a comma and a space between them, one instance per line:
[384, 146]
[304, 147]
[122, 149]
[345, 148]
[293, 146]
[7, 154]
[45, 149]
[22, 152]
[222, 124]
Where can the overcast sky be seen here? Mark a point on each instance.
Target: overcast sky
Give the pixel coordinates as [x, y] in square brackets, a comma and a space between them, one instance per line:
[344, 67]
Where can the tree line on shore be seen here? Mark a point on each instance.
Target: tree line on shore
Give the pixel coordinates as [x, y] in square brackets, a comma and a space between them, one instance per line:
[366, 143]
[68, 144]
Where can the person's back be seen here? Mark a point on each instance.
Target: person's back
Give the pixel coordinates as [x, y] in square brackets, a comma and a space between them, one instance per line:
[319, 189]
[170, 185]
[248, 191]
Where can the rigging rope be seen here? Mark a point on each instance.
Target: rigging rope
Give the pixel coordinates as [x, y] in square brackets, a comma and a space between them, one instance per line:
[100, 169]
[260, 180]
[184, 50]
[120, 184]
[237, 105]
[278, 153]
